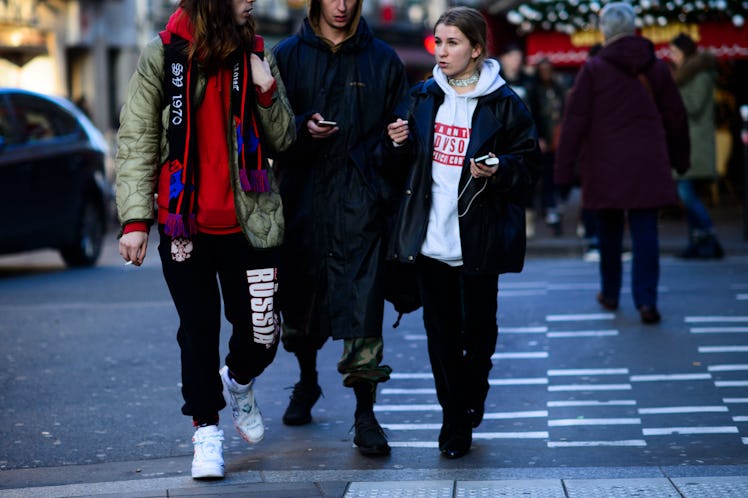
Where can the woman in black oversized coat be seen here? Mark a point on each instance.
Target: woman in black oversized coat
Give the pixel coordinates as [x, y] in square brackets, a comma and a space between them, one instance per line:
[463, 223]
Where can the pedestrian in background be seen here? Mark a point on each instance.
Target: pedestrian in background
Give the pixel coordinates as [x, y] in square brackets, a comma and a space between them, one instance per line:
[344, 86]
[200, 139]
[625, 124]
[547, 98]
[695, 73]
[513, 69]
[461, 219]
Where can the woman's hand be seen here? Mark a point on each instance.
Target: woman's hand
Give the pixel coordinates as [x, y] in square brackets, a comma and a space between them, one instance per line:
[482, 170]
[132, 247]
[261, 74]
[398, 131]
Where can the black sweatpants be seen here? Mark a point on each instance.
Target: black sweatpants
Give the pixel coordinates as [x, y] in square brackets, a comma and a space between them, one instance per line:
[216, 267]
[459, 314]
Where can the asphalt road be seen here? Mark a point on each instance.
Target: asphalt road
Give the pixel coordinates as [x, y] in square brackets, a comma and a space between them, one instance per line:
[90, 375]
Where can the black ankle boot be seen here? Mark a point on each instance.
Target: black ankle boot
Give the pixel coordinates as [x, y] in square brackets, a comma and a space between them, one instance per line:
[303, 397]
[455, 439]
[369, 437]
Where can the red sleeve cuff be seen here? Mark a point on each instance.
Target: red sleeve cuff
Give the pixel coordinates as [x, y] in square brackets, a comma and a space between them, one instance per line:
[135, 226]
[265, 99]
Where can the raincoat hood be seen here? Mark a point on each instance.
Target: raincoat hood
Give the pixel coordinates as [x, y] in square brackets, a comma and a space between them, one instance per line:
[314, 14]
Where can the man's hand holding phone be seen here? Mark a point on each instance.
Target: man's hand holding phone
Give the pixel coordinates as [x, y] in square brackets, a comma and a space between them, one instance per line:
[320, 127]
[484, 166]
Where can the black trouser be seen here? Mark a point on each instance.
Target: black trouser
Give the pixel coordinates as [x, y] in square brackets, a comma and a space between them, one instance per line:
[221, 266]
[459, 313]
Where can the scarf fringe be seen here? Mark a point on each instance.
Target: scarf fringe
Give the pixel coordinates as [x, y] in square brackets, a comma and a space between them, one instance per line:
[175, 225]
[258, 179]
[246, 186]
[255, 180]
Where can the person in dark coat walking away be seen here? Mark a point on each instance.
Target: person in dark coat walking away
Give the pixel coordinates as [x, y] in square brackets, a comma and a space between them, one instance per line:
[626, 125]
[461, 220]
[335, 182]
[695, 74]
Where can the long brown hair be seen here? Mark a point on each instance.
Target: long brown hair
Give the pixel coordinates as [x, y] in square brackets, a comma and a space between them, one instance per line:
[216, 34]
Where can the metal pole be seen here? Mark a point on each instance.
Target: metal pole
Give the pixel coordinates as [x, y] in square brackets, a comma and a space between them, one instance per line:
[744, 137]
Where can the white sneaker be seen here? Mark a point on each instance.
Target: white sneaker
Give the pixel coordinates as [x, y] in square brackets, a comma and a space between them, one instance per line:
[208, 460]
[246, 413]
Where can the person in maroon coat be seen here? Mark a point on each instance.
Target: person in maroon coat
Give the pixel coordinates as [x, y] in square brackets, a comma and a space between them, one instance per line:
[624, 128]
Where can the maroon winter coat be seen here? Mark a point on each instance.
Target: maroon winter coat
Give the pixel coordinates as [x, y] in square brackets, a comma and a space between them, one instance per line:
[613, 134]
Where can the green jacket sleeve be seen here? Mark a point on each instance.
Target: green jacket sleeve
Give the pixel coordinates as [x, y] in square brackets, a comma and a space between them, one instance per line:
[139, 146]
[277, 121]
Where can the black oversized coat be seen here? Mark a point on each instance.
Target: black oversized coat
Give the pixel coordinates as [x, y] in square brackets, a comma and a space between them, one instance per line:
[335, 190]
[492, 229]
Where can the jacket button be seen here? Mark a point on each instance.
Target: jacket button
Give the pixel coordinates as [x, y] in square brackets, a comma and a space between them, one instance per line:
[394, 255]
[410, 258]
[408, 192]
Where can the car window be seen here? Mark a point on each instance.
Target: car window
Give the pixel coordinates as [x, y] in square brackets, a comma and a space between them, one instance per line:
[41, 121]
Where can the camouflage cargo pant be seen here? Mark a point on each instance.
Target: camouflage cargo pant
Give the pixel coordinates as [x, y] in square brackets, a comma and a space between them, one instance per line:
[361, 359]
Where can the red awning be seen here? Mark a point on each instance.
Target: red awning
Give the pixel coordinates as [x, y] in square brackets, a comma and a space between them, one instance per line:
[723, 39]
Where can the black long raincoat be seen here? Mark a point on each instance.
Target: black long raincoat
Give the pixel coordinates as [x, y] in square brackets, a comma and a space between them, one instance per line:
[335, 190]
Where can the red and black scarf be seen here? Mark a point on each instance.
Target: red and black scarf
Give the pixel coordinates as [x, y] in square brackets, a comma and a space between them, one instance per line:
[180, 77]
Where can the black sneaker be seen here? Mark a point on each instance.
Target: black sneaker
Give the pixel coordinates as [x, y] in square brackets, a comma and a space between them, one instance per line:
[303, 397]
[370, 437]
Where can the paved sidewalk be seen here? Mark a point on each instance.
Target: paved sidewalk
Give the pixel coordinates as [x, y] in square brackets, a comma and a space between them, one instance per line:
[599, 482]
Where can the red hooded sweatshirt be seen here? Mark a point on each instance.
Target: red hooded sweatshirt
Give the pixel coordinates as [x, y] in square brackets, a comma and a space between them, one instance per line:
[215, 211]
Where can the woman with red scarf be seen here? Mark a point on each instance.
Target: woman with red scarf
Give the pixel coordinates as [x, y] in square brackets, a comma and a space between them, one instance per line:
[205, 108]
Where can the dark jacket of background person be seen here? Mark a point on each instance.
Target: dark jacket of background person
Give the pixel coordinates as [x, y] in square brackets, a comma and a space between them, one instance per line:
[492, 230]
[625, 143]
[334, 190]
[547, 106]
[696, 79]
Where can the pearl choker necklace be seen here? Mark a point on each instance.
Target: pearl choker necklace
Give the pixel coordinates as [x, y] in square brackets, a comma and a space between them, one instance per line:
[470, 80]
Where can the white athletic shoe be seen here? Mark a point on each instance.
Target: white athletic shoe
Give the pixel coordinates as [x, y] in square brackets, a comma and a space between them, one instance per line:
[246, 413]
[208, 460]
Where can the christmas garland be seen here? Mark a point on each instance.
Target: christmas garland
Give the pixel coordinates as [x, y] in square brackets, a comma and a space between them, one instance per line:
[572, 16]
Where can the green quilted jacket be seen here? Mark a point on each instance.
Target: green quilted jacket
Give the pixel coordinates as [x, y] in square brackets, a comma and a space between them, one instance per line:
[142, 149]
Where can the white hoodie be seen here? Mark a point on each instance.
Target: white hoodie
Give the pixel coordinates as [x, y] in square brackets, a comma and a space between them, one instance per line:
[451, 137]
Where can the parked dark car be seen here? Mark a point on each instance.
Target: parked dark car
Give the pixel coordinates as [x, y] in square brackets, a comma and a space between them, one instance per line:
[53, 187]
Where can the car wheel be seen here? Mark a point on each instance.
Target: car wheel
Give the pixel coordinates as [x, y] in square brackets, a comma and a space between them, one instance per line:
[88, 238]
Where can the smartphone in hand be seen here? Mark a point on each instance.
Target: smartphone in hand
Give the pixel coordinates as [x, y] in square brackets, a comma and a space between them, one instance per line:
[487, 160]
[326, 123]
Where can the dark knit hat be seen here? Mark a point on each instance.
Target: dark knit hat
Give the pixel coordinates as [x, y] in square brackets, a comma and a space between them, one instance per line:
[685, 43]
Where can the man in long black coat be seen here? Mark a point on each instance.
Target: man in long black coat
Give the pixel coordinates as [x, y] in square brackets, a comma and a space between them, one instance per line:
[335, 184]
